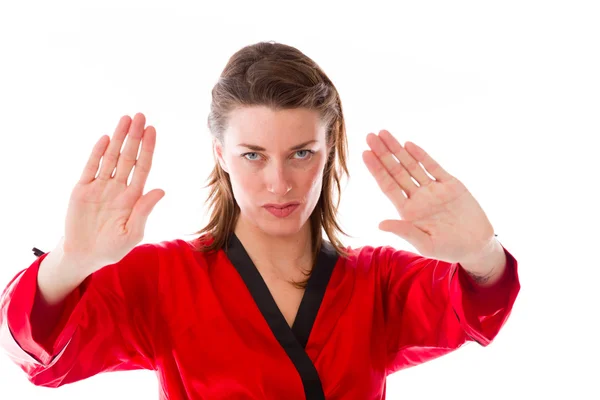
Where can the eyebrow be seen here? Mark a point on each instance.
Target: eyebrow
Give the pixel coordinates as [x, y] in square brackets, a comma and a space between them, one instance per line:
[258, 148]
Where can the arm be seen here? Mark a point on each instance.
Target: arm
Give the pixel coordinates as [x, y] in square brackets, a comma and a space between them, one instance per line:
[58, 276]
[486, 269]
[433, 307]
[64, 330]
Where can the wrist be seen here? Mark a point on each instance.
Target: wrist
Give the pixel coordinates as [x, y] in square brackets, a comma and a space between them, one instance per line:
[74, 265]
[486, 266]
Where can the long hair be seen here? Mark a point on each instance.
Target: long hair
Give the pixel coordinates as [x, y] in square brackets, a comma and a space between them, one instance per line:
[280, 77]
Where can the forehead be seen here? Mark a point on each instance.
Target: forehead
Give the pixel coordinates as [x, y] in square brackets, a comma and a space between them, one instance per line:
[263, 126]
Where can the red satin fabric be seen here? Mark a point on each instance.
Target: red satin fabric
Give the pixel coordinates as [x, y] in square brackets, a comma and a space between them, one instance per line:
[189, 316]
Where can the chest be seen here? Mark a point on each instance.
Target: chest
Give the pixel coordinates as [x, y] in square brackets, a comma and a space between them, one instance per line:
[252, 337]
[286, 296]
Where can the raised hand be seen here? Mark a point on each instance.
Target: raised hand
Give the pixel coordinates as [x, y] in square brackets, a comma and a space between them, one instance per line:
[107, 216]
[439, 216]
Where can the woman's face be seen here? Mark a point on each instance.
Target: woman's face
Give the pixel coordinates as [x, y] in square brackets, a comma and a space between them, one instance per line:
[274, 157]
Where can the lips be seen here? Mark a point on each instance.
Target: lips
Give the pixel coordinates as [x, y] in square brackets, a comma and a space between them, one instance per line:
[282, 210]
[280, 206]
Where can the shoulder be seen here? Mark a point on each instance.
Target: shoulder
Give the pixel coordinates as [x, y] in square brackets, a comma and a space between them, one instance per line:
[380, 255]
[181, 252]
[158, 257]
[175, 246]
[385, 260]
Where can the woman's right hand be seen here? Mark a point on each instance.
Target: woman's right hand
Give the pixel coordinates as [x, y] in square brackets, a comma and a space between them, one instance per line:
[106, 217]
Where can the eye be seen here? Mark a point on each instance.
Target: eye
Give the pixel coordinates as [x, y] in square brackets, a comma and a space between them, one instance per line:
[252, 154]
[307, 154]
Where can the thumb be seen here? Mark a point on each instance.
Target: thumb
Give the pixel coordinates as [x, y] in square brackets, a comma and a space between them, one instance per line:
[143, 208]
[406, 231]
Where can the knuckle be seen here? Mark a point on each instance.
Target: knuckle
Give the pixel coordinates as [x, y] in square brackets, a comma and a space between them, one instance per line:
[411, 165]
[142, 168]
[396, 169]
[110, 157]
[389, 185]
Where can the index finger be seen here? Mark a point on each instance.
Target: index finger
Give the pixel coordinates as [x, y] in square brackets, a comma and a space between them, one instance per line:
[388, 185]
[144, 162]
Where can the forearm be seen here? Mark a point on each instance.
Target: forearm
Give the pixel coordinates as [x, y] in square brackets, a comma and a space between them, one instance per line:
[487, 267]
[58, 276]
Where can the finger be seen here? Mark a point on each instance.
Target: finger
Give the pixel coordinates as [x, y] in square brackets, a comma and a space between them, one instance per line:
[386, 183]
[142, 209]
[111, 156]
[409, 232]
[395, 168]
[91, 167]
[144, 162]
[408, 162]
[433, 168]
[129, 154]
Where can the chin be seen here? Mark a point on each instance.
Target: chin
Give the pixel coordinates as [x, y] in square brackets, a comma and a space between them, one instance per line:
[280, 228]
[272, 225]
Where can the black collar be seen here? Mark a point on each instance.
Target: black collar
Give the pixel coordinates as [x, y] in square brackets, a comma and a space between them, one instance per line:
[293, 339]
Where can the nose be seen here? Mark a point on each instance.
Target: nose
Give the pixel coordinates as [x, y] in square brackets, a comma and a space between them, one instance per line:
[277, 181]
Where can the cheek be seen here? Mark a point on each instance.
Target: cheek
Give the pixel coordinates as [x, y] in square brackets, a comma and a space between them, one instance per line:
[244, 181]
[313, 181]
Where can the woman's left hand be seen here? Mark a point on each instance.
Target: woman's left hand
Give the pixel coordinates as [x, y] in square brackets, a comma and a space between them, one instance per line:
[439, 216]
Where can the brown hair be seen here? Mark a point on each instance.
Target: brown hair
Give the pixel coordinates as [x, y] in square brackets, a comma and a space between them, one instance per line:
[280, 77]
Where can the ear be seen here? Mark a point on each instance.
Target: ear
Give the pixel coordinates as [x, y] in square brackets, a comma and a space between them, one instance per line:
[218, 151]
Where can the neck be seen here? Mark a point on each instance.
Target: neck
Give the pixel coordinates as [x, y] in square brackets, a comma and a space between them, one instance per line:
[284, 256]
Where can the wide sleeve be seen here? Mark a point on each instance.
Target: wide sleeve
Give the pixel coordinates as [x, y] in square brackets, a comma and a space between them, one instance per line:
[432, 307]
[105, 324]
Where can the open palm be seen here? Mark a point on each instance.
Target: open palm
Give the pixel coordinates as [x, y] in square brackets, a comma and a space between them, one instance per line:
[439, 216]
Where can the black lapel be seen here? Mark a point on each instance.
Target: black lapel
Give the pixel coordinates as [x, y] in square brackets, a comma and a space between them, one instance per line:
[293, 340]
[314, 293]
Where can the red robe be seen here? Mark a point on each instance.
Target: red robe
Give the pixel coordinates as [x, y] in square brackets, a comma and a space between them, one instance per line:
[207, 324]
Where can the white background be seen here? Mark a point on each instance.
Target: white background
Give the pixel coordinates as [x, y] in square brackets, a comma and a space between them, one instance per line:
[505, 95]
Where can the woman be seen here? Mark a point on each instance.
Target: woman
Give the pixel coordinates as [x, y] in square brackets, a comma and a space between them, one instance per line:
[260, 306]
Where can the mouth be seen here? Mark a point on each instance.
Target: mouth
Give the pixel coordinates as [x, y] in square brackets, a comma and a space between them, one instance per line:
[281, 206]
[282, 210]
